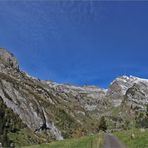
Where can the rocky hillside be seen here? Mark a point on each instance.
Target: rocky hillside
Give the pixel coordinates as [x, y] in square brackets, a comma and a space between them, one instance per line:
[50, 111]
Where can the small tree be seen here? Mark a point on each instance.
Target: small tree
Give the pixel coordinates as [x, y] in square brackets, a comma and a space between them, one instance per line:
[102, 124]
[147, 110]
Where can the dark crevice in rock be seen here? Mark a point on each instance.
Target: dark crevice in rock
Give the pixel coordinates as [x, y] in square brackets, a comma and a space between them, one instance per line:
[43, 127]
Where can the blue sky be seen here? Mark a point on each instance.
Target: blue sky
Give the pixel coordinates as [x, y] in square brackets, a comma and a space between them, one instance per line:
[78, 42]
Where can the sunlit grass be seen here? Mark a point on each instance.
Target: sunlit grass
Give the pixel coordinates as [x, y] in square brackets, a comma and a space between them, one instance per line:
[95, 141]
[134, 138]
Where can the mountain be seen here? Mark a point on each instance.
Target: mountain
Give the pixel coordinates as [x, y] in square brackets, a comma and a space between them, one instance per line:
[36, 111]
[123, 85]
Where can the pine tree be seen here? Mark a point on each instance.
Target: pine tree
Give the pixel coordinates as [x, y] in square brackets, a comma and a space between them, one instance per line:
[102, 124]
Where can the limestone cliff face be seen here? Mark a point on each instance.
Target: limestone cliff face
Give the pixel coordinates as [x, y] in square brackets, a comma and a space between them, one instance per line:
[63, 110]
[22, 95]
[43, 105]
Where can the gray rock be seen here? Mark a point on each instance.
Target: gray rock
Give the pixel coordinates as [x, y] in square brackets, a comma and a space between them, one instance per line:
[8, 58]
[46, 105]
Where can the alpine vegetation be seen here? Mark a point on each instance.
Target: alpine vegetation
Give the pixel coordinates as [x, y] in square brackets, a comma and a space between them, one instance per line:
[34, 111]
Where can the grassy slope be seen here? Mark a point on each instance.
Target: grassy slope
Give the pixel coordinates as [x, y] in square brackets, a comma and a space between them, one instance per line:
[95, 141]
[139, 140]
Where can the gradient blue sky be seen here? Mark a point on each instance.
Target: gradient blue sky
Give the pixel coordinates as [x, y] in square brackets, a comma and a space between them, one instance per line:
[78, 42]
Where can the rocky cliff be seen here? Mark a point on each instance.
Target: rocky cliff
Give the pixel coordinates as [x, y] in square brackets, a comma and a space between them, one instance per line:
[51, 111]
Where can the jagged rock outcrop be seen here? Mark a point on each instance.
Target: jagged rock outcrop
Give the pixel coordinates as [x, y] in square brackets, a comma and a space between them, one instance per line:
[57, 111]
[137, 96]
[8, 59]
[122, 87]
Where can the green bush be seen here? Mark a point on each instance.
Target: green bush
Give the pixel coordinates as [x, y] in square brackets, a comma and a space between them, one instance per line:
[9, 122]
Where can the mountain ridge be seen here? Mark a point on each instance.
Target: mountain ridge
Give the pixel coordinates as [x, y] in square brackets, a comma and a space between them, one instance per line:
[55, 111]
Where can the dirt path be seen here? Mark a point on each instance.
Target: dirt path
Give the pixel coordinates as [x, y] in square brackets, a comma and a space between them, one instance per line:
[112, 142]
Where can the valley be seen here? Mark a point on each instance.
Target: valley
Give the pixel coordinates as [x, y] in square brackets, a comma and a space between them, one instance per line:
[35, 111]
